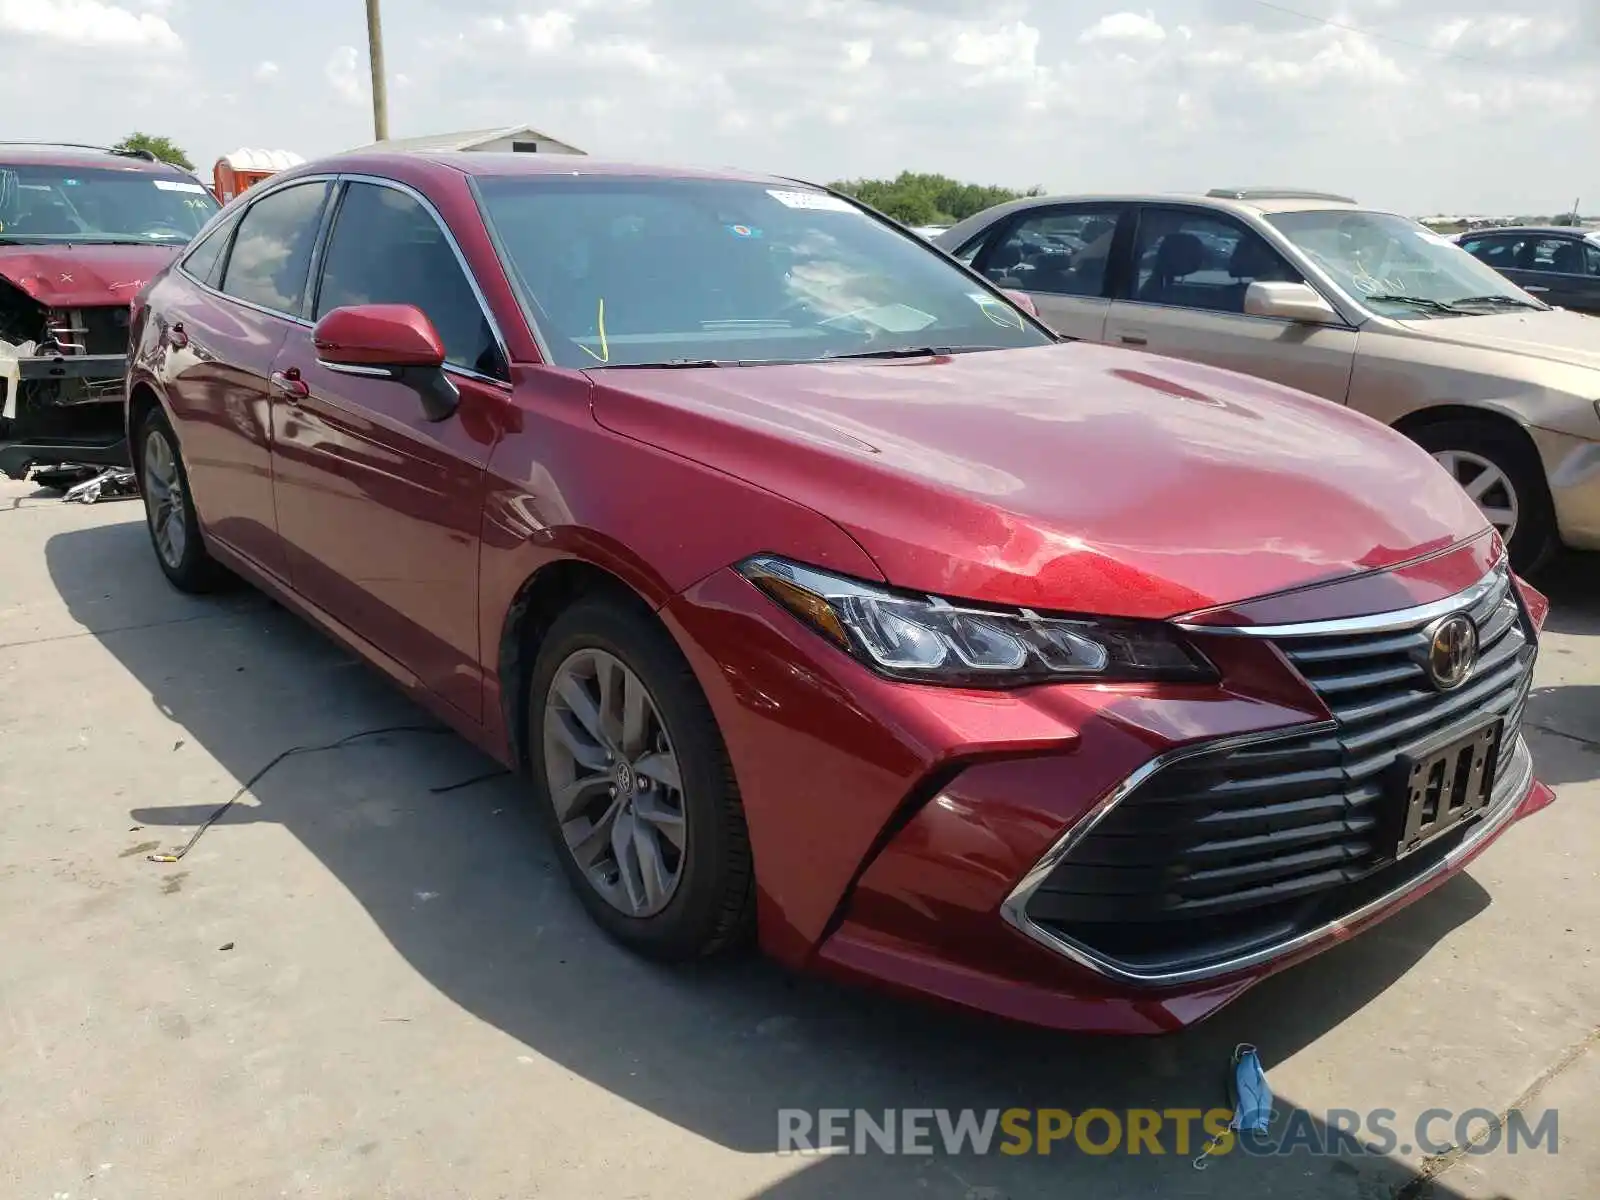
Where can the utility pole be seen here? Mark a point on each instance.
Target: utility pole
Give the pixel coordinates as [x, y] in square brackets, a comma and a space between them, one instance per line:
[380, 96]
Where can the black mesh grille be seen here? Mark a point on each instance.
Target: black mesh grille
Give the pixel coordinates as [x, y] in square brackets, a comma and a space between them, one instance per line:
[1251, 844]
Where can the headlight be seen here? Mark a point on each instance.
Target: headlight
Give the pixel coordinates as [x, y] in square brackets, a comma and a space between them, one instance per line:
[924, 639]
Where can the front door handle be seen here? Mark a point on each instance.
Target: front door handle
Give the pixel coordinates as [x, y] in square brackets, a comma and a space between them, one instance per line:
[1534, 287]
[289, 384]
[1133, 339]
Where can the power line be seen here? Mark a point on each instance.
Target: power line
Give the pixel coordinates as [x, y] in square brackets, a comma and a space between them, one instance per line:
[1394, 41]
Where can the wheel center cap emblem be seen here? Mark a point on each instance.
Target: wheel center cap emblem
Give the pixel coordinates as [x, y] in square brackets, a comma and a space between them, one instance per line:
[624, 778]
[1452, 651]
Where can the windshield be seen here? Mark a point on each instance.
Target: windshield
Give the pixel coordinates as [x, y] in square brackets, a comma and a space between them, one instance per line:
[96, 204]
[1396, 266]
[631, 272]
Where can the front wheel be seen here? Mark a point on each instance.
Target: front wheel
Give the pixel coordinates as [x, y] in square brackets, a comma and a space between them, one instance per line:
[1504, 478]
[633, 781]
[169, 510]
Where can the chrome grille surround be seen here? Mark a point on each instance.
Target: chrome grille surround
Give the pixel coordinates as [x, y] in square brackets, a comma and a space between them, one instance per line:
[1308, 839]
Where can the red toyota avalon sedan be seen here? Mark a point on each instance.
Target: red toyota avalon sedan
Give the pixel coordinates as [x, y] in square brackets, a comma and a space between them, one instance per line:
[823, 597]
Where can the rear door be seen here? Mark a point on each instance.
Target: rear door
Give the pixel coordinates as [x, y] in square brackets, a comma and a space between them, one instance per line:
[228, 308]
[1183, 296]
[381, 508]
[1060, 255]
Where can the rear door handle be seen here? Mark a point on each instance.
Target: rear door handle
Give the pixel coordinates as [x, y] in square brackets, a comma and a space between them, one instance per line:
[1133, 339]
[1533, 287]
[290, 385]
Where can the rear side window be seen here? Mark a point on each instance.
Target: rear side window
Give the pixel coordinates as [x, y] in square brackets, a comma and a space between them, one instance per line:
[386, 248]
[204, 262]
[1060, 251]
[272, 253]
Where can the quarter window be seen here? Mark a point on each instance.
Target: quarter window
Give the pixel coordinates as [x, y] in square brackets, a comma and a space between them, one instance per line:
[386, 248]
[204, 262]
[272, 253]
[1060, 252]
[1196, 260]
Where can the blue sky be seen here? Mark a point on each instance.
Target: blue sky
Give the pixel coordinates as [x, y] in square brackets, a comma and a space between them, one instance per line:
[1453, 105]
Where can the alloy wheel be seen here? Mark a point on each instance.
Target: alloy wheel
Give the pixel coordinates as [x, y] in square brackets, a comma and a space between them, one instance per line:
[1489, 486]
[614, 782]
[164, 500]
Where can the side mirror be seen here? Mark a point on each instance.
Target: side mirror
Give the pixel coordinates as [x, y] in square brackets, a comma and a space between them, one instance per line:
[388, 341]
[1289, 302]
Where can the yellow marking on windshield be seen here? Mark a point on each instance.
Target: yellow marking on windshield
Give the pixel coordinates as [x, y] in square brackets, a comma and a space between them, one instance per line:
[605, 351]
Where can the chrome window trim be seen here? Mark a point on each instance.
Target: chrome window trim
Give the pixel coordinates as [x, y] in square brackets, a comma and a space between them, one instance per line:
[1384, 622]
[461, 261]
[1014, 909]
[472, 282]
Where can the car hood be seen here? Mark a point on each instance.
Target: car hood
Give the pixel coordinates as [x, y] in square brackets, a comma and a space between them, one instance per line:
[1557, 335]
[1071, 477]
[83, 275]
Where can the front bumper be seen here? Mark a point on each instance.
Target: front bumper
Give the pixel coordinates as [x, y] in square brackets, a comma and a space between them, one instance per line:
[1572, 467]
[901, 833]
[62, 409]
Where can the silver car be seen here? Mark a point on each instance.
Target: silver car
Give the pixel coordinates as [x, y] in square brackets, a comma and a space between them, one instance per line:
[1360, 306]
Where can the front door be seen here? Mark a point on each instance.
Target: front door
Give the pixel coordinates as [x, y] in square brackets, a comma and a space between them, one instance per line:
[1184, 297]
[1058, 255]
[380, 508]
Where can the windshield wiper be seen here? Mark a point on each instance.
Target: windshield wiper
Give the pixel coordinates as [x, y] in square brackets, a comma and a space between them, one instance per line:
[910, 352]
[1420, 301]
[1513, 301]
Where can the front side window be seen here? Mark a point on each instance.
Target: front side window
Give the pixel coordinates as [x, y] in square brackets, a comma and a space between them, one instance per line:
[1061, 252]
[271, 254]
[625, 271]
[1191, 259]
[1591, 259]
[44, 204]
[1398, 267]
[386, 248]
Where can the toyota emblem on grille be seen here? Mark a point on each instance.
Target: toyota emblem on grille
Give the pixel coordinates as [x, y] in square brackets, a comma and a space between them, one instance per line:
[1452, 651]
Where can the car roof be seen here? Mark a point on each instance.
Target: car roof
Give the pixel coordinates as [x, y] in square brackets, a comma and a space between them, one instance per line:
[1576, 231]
[483, 163]
[17, 154]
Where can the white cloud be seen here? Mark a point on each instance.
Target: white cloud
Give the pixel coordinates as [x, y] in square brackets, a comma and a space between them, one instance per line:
[1124, 27]
[345, 75]
[87, 23]
[545, 31]
[1004, 48]
[265, 71]
[634, 55]
[857, 54]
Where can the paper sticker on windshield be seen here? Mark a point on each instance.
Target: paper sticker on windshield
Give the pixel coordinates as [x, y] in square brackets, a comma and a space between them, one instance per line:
[816, 201]
[998, 313]
[177, 185]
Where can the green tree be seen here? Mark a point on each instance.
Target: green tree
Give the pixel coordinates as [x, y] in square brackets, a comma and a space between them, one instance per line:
[161, 147]
[915, 198]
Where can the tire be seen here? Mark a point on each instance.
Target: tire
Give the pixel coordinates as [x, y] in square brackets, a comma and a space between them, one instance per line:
[710, 907]
[180, 549]
[1468, 448]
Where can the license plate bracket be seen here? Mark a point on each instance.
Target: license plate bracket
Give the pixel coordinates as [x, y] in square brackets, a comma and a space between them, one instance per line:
[1441, 784]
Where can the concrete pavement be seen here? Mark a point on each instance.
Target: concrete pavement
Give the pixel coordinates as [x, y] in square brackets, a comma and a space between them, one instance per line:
[359, 986]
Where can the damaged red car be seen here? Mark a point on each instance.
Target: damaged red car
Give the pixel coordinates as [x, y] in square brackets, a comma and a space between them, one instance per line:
[81, 230]
[823, 597]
